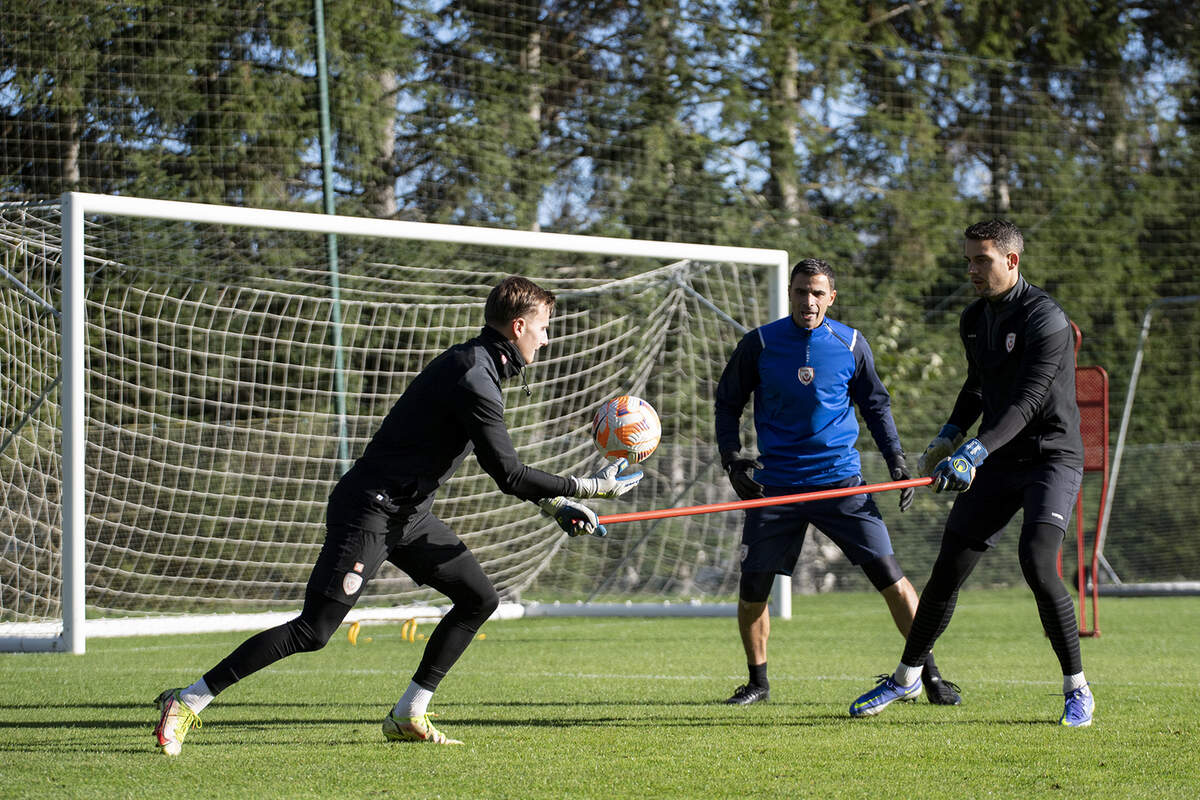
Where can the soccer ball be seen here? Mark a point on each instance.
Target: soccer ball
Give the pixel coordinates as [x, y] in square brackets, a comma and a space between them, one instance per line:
[626, 427]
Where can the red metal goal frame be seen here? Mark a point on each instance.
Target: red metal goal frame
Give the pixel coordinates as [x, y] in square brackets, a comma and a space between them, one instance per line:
[1091, 394]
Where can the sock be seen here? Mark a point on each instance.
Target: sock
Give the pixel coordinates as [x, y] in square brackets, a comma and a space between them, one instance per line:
[413, 703]
[197, 696]
[906, 675]
[1073, 682]
[758, 674]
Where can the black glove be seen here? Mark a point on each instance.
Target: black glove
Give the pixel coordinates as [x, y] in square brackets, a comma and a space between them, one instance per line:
[741, 476]
[899, 470]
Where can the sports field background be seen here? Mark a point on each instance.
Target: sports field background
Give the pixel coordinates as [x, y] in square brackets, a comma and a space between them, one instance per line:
[868, 134]
[609, 707]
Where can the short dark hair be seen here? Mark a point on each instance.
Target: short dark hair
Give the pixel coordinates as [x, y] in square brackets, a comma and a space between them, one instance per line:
[1005, 234]
[514, 297]
[812, 266]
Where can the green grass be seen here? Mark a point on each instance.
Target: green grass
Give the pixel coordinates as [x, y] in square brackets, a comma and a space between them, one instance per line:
[604, 708]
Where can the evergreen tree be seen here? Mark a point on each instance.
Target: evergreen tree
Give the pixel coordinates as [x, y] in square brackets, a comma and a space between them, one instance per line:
[653, 150]
[62, 104]
[373, 56]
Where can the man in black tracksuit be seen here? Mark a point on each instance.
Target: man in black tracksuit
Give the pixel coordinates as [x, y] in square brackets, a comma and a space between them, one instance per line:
[1021, 380]
[380, 510]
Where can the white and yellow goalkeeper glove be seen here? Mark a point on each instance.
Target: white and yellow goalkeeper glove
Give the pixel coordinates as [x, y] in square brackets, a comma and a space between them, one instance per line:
[607, 482]
[572, 516]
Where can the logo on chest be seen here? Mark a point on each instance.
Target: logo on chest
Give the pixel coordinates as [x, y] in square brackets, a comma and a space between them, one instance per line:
[1010, 341]
[805, 374]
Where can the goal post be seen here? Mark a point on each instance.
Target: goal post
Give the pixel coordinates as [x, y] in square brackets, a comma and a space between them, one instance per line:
[74, 321]
[165, 373]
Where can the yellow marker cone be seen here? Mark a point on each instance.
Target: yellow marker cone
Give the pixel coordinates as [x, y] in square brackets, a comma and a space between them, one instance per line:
[352, 634]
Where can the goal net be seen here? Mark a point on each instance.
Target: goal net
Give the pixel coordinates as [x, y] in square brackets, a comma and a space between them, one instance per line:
[1149, 538]
[231, 361]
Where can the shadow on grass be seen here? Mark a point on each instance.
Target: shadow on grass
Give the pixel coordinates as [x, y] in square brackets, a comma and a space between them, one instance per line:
[239, 720]
[283, 733]
[138, 704]
[382, 702]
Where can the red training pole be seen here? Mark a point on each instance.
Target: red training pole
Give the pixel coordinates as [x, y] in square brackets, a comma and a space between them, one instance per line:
[734, 505]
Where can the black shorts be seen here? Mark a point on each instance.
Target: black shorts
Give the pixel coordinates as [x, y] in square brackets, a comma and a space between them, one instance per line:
[1046, 492]
[363, 528]
[772, 536]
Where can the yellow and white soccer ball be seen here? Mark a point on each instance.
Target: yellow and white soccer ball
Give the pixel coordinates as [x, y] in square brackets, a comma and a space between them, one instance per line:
[626, 427]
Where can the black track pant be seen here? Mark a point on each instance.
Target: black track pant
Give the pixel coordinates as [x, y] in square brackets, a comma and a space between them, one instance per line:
[461, 580]
[1038, 552]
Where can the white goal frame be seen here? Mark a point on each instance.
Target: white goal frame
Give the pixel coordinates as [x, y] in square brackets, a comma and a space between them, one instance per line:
[76, 205]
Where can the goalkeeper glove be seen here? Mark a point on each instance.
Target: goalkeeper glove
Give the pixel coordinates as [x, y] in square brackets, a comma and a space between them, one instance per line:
[948, 438]
[899, 471]
[607, 482]
[741, 475]
[573, 517]
[956, 472]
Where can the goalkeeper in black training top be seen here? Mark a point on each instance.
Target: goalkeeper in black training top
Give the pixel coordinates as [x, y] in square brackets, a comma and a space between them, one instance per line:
[1021, 379]
[380, 510]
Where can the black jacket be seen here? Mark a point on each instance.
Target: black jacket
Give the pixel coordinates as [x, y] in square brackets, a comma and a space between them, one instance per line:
[1021, 378]
[452, 407]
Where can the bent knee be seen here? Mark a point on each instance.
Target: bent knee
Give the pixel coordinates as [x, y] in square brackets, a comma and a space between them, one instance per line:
[308, 638]
[755, 587]
[477, 606]
[884, 573]
[1043, 579]
[488, 604]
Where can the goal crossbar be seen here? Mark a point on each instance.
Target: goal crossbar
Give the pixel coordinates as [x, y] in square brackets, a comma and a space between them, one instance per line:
[307, 222]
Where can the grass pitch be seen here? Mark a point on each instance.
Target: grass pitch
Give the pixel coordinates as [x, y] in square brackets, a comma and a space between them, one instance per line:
[604, 708]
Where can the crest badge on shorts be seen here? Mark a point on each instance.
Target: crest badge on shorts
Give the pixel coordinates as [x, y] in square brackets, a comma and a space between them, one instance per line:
[1010, 342]
[805, 374]
[351, 583]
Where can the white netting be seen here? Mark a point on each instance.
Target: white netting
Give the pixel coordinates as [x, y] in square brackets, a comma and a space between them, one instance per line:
[1151, 536]
[30, 485]
[213, 418]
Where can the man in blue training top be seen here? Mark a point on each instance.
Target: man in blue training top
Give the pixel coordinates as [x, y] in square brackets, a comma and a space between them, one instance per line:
[804, 372]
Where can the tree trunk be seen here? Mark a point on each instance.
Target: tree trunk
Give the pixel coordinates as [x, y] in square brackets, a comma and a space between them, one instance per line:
[783, 104]
[998, 150]
[532, 58]
[381, 193]
[70, 158]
